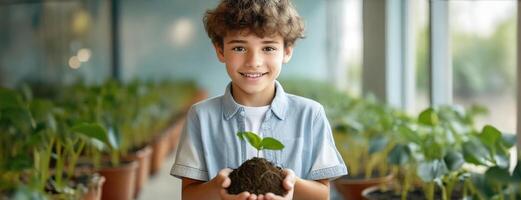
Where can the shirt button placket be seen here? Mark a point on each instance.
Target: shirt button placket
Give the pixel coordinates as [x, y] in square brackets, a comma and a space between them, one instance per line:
[266, 131]
[242, 126]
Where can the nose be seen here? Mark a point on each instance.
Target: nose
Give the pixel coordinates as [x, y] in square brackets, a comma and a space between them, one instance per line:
[253, 59]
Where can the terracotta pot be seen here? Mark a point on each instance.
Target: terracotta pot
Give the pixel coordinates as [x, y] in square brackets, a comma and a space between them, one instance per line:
[95, 189]
[160, 148]
[143, 158]
[120, 182]
[352, 188]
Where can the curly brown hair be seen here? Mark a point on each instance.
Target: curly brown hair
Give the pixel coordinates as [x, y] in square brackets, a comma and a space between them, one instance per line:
[262, 17]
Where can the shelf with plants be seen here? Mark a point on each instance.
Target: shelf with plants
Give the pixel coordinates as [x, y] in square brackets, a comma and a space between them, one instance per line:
[432, 156]
[48, 140]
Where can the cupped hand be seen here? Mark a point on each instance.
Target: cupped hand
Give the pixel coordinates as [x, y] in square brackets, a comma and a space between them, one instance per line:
[288, 183]
[223, 181]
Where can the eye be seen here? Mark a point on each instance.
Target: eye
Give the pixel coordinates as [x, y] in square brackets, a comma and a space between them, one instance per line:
[269, 49]
[239, 49]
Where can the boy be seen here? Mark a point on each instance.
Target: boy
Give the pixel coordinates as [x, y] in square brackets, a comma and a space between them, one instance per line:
[253, 38]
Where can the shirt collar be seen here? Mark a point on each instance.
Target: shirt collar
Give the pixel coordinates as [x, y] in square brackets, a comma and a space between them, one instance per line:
[278, 105]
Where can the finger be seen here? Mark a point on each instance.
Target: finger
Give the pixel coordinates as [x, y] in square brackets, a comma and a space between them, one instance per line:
[288, 185]
[270, 196]
[225, 172]
[243, 196]
[223, 176]
[289, 180]
[226, 182]
[260, 197]
[252, 197]
[289, 173]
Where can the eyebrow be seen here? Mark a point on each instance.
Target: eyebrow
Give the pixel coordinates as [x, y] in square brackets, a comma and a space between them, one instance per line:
[244, 41]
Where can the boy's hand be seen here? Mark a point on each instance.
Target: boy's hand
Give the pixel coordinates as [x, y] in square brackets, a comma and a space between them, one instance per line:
[289, 185]
[223, 181]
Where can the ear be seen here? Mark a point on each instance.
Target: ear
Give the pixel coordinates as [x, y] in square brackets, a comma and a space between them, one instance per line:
[219, 51]
[288, 52]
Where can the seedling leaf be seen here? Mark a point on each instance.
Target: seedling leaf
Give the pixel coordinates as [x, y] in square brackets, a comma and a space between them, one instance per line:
[252, 138]
[271, 143]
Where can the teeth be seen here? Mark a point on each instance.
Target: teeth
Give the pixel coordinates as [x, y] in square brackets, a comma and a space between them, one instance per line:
[252, 75]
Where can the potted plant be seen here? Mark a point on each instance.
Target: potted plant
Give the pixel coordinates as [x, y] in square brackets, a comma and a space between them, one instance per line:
[258, 175]
[16, 125]
[364, 138]
[96, 107]
[39, 129]
[490, 150]
[430, 156]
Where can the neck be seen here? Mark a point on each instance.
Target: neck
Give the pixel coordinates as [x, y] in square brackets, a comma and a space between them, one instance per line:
[263, 98]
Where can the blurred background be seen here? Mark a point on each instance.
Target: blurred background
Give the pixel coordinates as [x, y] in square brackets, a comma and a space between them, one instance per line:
[409, 54]
[60, 42]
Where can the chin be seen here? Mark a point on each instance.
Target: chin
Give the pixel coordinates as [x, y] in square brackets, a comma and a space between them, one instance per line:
[252, 90]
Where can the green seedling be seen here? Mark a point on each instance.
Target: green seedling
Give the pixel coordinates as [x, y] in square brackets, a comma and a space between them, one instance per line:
[260, 143]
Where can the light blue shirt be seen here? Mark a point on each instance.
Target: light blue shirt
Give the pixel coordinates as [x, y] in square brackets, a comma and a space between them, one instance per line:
[209, 142]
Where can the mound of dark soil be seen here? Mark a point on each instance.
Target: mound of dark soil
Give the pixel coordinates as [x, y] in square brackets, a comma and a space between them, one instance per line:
[257, 176]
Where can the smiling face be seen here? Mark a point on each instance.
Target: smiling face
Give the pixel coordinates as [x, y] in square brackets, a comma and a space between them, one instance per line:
[253, 64]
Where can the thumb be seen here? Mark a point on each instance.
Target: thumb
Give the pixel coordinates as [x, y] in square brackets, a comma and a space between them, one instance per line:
[222, 177]
[290, 179]
[226, 183]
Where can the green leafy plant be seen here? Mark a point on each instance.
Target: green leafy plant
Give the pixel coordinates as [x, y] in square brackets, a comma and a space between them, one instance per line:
[35, 134]
[260, 143]
[44, 135]
[431, 152]
[490, 149]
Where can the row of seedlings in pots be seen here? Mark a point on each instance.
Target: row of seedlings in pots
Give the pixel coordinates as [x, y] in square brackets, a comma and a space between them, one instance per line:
[40, 149]
[441, 154]
[432, 156]
[97, 126]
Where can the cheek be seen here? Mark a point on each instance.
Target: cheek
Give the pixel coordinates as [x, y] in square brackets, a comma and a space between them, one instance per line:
[275, 63]
[230, 68]
[233, 59]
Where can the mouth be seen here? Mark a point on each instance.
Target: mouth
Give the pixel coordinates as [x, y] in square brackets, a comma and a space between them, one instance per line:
[253, 74]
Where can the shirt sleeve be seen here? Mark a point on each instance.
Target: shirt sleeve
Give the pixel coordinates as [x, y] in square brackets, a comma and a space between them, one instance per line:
[327, 163]
[189, 162]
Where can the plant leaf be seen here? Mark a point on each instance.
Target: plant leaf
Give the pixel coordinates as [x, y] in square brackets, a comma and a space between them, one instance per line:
[399, 155]
[378, 144]
[430, 170]
[252, 138]
[475, 152]
[508, 140]
[9, 99]
[428, 117]
[497, 174]
[502, 161]
[271, 143]
[489, 135]
[240, 135]
[454, 160]
[407, 134]
[114, 138]
[94, 131]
